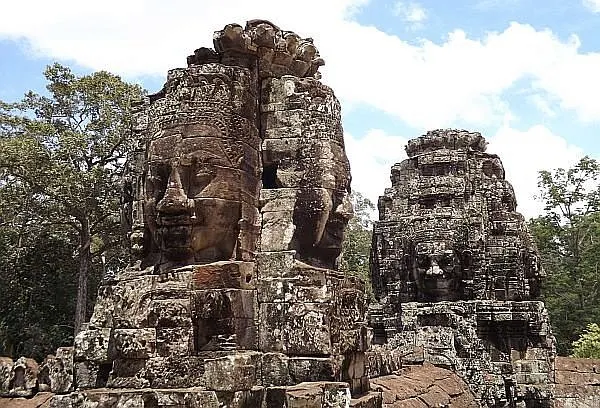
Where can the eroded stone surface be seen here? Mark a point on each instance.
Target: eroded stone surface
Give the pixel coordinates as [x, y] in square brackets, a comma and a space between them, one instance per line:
[448, 228]
[56, 372]
[40, 400]
[424, 386]
[456, 271]
[235, 204]
[18, 378]
[577, 382]
[306, 179]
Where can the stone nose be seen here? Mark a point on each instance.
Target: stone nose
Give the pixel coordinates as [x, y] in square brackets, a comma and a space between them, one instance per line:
[345, 208]
[434, 269]
[175, 199]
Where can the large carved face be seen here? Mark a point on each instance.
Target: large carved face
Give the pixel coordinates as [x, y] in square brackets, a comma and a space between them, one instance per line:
[436, 271]
[322, 212]
[192, 187]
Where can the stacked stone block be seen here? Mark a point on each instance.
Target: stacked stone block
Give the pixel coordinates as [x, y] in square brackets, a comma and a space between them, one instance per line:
[308, 311]
[456, 272]
[235, 204]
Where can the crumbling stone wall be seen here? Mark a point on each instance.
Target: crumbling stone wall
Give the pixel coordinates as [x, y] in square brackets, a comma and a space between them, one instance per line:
[235, 205]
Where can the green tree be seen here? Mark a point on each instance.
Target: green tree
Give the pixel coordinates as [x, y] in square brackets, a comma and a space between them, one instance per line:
[568, 237]
[588, 345]
[60, 164]
[357, 240]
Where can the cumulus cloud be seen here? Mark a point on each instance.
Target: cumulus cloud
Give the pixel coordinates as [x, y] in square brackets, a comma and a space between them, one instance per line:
[592, 5]
[371, 158]
[464, 80]
[524, 153]
[427, 85]
[544, 105]
[137, 37]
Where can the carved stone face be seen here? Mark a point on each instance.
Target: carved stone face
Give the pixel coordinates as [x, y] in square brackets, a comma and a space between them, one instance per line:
[341, 211]
[192, 186]
[321, 216]
[437, 271]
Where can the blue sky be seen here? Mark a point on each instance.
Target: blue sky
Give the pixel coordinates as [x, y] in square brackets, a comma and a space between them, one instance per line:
[525, 73]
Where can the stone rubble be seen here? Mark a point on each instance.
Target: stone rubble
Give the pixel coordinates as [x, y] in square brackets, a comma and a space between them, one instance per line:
[422, 386]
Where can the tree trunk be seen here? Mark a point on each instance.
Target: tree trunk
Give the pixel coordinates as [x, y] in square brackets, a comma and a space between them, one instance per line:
[84, 263]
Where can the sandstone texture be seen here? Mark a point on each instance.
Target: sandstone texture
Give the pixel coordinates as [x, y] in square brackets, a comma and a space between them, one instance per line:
[40, 400]
[18, 378]
[456, 272]
[234, 204]
[424, 386]
[577, 383]
[448, 228]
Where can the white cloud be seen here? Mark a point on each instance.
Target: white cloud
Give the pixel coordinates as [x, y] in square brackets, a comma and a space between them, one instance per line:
[371, 158]
[544, 105]
[412, 13]
[592, 5]
[524, 154]
[136, 37]
[462, 80]
[429, 85]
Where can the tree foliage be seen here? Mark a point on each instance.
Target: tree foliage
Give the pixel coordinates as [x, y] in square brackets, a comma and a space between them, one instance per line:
[588, 345]
[61, 156]
[568, 237]
[357, 240]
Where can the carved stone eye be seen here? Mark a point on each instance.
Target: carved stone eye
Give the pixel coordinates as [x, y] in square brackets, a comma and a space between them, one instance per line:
[202, 174]
[156, 181]
[202, 177]
[423, 261]
[445, 260]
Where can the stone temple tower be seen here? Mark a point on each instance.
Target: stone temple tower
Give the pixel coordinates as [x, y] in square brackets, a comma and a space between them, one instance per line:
[235, 206]
[456, 272]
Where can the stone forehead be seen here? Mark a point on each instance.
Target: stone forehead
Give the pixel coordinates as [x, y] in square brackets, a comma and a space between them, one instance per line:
[212, 74]
[212, 150]
[442, 238]
[434, 247]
